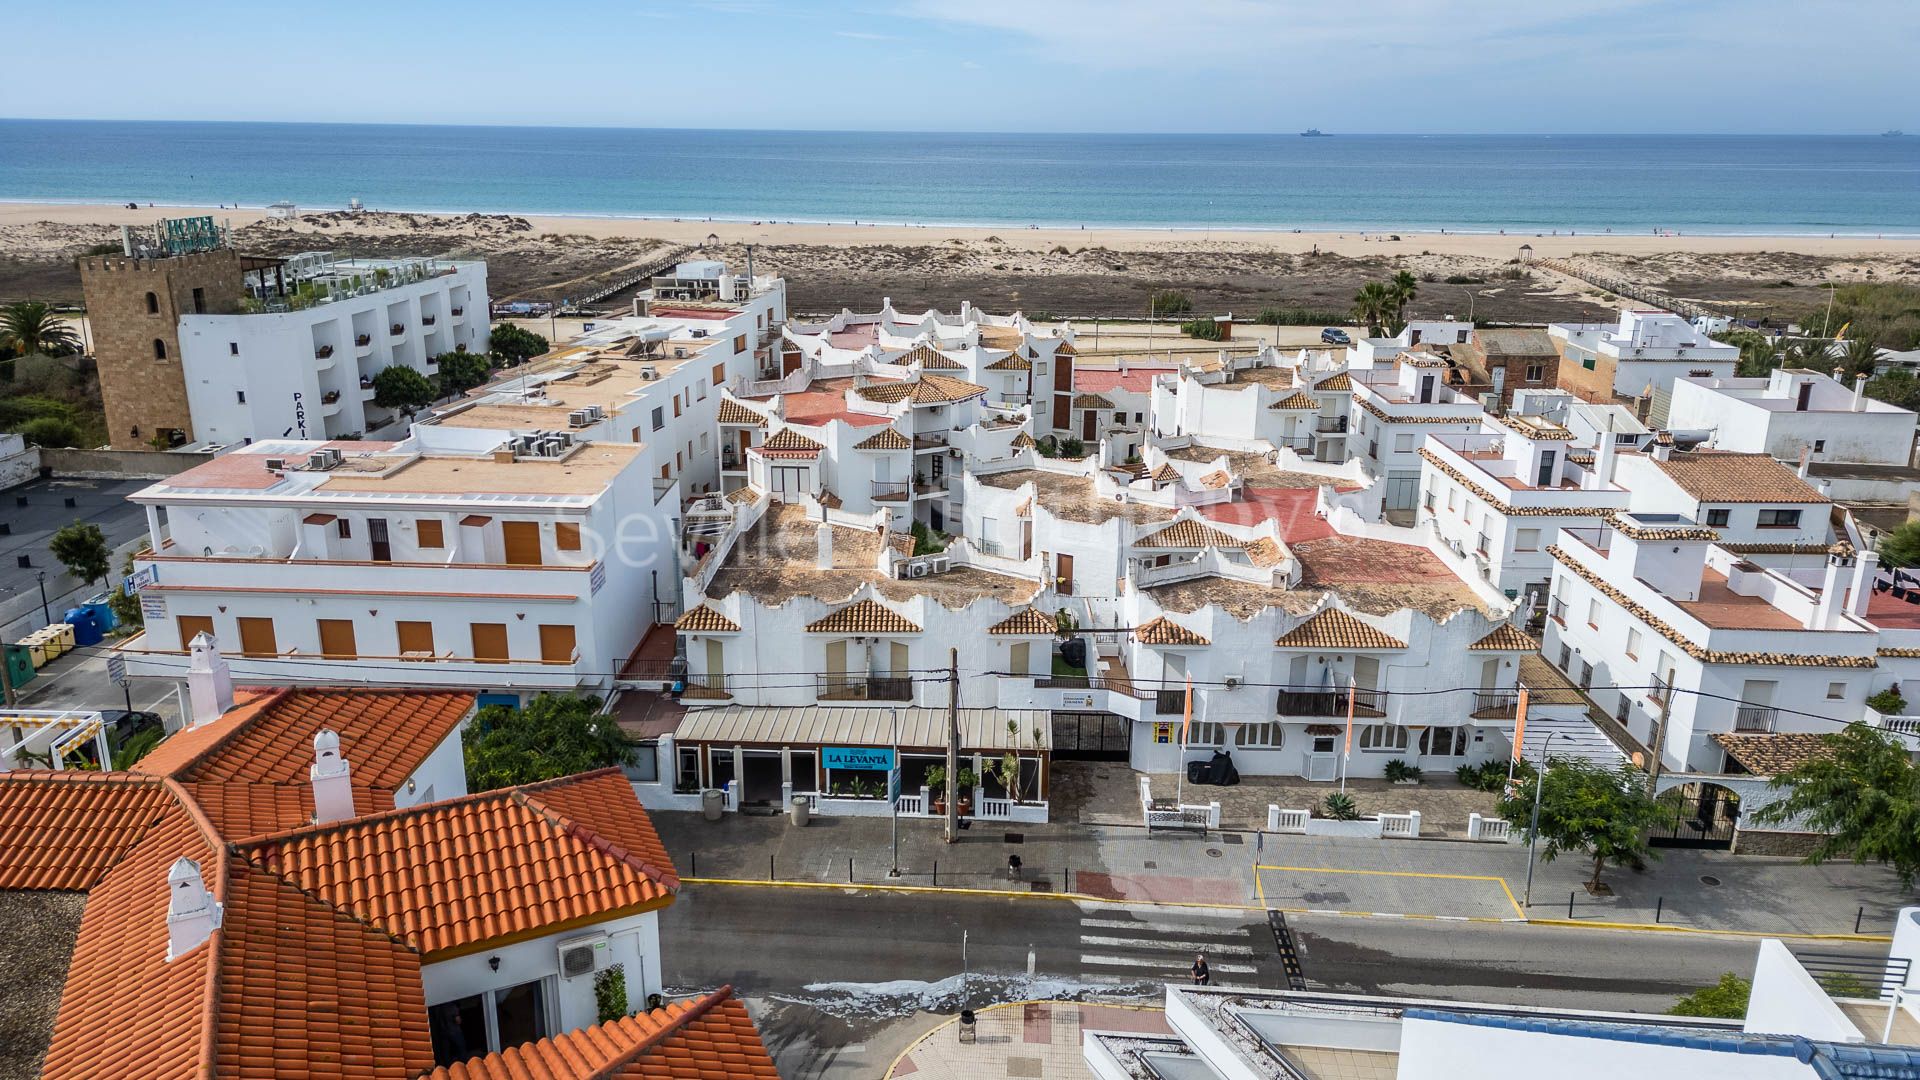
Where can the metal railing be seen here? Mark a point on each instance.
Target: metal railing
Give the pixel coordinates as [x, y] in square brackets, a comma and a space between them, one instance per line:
[1662, 691]
[1500, 704]
[1557, 611]
[1325, 701]
[863, 687]
[1169, 702]
[705, 686]
[1755, 718]
[1330, 424]
[1844, 976]
[889, 489]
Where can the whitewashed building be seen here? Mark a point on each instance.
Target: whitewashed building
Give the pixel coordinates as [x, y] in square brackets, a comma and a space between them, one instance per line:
[1794, 413]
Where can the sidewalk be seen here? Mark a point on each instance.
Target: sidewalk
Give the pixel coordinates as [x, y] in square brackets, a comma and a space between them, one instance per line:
[1101, 793]
[1700, 890]
[1022, 1040]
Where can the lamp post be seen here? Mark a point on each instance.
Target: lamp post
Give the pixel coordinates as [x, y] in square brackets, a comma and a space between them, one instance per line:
[1533, 829]
[45, 612]
[894, 797]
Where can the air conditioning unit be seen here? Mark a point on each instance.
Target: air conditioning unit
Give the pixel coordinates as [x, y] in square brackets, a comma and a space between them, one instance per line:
[940, 565]
[578, 418]
[583, 956]
[650, 373]
[275, 464]
[319, 462]
[595, 412]
[679, 352]
[697, 333]
[918, 569]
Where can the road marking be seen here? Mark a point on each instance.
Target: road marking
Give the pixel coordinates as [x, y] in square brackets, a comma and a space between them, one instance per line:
[1163, 943]
[1158, 924]
[1158, 965]
[1505, 889]
[1187, 910]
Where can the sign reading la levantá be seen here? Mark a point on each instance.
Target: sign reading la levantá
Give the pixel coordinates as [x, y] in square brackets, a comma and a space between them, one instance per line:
[856, 757]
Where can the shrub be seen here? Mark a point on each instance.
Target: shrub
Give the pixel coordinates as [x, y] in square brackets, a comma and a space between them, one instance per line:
[1464, 279]
[1726, 999]
[52, 432]
[1491, 776]
[1888, 702]
[1340, 807]
[610, 993]
[1170, 302]
[514, 344]
[1398, 770]
[400, 387]
[126, 608]
[1298, 317]
[1071, 447]
[1204, 329]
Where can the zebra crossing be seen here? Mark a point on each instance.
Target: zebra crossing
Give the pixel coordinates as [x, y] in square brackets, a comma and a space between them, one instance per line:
[1146, 942]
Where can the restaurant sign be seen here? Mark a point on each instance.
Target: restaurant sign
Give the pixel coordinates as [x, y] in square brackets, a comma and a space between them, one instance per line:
[855, 757]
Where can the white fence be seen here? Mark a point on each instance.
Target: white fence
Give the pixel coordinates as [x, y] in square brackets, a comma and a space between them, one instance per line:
[1287, 821]
[1488, 828]
[1379, 826]
[1404, 826]
[1171, 815]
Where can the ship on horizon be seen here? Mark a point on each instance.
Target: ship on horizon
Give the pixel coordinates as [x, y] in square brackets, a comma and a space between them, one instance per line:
[1314, 133]
[1892, 133]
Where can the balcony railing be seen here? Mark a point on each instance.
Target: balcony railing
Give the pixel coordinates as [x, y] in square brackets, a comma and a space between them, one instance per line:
[323, 352]
[1323, 701]
[1758, 718]
[1557, 611]
[889, 490]
[397, 329]
[1169, 702]
[864, 687]
[1330, 424]
[1661, 693]
[1496, 704]
[705, 687]
[427, 320]
[329, 397]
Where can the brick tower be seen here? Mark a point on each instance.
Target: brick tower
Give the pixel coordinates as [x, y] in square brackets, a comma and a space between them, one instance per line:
[134, 305]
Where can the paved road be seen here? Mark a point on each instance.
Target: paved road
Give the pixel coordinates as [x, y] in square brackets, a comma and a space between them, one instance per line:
[841, 979]
[79, 681]
[45, 511]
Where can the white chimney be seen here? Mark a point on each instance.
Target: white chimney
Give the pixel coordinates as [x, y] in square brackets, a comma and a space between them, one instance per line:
[209, 682]
[332, 789]
[1602, 473]
[1860, 393]
[823, 545]
[192, 913]
[1662, 447]
[1827, 608]
[1861, 590]
[1806, 454]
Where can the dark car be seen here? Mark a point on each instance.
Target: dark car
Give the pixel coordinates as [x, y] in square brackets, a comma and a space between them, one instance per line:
[124, 725]
[1333, 335]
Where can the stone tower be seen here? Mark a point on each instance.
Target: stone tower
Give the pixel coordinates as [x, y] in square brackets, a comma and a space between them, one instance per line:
[134, 305]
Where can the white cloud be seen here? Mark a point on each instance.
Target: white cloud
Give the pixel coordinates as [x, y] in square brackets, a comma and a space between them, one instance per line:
[862, 35]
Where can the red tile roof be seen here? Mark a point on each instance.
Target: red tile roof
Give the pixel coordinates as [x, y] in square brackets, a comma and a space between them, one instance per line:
[1134, 380]
[81, 824]
[416, 872]
[706, 1038]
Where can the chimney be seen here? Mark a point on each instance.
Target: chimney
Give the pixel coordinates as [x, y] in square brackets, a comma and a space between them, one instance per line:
[1861, 590]
[1860, 393]
[1662, 445]
[823, 544]
[1827, 608]
[1602, 473]
[209, 682]
[192, 913]
[1806, 455]
[332, 790]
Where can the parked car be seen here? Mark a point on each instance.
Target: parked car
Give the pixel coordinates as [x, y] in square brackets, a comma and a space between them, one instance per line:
[123, 725]
[1333, 335]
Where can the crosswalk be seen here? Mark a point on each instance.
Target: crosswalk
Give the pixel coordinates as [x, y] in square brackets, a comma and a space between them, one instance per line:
[1146, 942]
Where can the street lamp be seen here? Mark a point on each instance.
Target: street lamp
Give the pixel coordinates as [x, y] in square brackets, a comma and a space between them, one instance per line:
[1533, 829]
[894, 795]
[1471, 297]
[45, 612]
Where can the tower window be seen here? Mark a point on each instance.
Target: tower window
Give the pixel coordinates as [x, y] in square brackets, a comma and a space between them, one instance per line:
[153, 304]
[159, 349]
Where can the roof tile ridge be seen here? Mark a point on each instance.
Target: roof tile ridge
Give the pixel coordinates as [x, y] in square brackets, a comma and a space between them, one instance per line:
[686, 1017]
[341, 825]
[273, 698]
[590, 836]
[223, 889]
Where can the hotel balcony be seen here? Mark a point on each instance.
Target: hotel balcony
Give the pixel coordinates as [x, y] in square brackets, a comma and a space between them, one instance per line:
[397, 329]
[294, 667]
[1321, 701]
[1330, 425]
[363, 341]
[889, 491]
[863, 688]
[706, 687]
[1755, 719]
[1496, 704]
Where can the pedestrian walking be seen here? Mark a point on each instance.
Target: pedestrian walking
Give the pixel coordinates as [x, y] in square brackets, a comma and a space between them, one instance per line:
[1202, 975]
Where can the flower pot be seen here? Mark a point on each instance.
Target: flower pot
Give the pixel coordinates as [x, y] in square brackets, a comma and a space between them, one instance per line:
[966, 806]
[1415, 782]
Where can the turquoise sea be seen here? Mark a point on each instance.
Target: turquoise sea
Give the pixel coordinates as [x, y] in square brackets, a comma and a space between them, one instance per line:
[1783, 185]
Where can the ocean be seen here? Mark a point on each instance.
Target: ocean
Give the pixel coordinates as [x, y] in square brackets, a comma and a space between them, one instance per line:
[1771, 185]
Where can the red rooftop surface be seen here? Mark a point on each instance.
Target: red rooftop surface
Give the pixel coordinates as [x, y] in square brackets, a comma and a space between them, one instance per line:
[1292, 508]
[825, 401]
[691, 313]
[1723, 609]
[246, 470]
[1134, 380]
[1890, 614]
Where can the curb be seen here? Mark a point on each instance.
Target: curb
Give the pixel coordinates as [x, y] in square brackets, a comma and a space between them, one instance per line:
[1004, 894]
[1664, 928]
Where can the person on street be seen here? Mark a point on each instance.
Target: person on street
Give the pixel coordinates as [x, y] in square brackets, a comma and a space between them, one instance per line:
[1202, 976]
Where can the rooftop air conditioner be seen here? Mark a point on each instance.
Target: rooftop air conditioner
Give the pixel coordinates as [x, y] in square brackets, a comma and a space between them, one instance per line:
[697, 333]
[583, 956]
[275, 464]
[578, 418]
[918, 569]
[650, 373]
[679, 352]
[319, 462]
[940, 565]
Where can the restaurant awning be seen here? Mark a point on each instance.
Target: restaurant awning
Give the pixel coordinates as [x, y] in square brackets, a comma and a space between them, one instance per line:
[982, 730]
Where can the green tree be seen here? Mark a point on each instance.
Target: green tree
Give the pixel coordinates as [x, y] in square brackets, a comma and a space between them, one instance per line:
[1859, 354]
[514, 345]
[52, 432]
[1402, 288]
[82, 548]
[400, 387]
[1759, 355]
[1202, 329]
[126, 608]
[1862, 795]
[1372, 306]
[1896, 387]
[1588, 808]
[1813, 354]
[30, 327]
[553, 735]
[1726, 999]
[459, 372]
[1901, 547]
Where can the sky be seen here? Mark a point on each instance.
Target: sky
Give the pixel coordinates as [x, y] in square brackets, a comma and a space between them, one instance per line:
[1386, 66]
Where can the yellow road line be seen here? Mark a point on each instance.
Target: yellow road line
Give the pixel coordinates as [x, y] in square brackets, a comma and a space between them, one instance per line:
[1502, 882]
[1666, 928]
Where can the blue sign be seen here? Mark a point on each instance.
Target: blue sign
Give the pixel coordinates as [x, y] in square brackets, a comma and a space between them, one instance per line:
[854, 757]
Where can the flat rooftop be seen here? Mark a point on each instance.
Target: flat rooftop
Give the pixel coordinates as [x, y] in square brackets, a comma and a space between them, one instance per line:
[587, 471]
[825, 401]
[1890, 614]
[1723, 609]
[1072, 498]
[775, 562]
[1251, 469]
[1377, 577]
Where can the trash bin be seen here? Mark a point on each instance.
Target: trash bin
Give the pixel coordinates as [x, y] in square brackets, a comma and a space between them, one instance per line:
[86, 626]
[967, 1032]
[36, 646]
[102, 609]
[800, 809]
[713, 803]
[19, 665]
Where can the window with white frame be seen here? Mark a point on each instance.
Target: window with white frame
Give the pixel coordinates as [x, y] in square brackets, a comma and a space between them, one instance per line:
[1836, 691]
[1268, 736]
[1203, 733]
[1403, 442]
[1383, 738]
[1633, 643]
[1593, 612]
[1526, 540]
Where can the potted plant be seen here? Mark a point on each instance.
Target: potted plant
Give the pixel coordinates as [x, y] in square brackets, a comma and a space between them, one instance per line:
[936, 782]
[1401, 773]
[968, 781]
[1888, 702]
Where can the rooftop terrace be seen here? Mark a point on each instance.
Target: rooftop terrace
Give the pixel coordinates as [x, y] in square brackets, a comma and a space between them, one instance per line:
[1072, 498]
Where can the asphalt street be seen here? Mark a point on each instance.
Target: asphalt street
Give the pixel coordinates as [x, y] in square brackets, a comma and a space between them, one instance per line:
[33, 512]
[843, 979]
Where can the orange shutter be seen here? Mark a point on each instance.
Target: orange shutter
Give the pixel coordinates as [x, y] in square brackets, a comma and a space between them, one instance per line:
[415, 637]
[522, 540]
[556, 644]
[256, 638]
[566, 536]
[192, 626]
[336, 639]
[430, 533]
[490, 642]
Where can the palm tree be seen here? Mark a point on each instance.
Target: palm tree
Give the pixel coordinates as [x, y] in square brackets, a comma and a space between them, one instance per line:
[1372, 305]
[1861, 355]
[1759, 355]
[29, 327]
[1402, 289]
[1814, 354]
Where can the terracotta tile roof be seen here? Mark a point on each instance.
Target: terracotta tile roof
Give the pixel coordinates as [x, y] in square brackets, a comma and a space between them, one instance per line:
[1774, 753]
[1264, 552]
[1013, 362]
[1386, 417]
[1535, 428]
[705, 620]
[385, 734]
[886, 438]
[1216, 480]
[1189, 533]
[1022, 441]
[1505, 638]
[1342, 381]
[1499, 505]
[1166, 474]
[902, 543]
[1064, 348]
[926, 390]
[1660, 532]
[1025, 621]
[1091, 401]
[64, 830]
[865, 617]
[732, 412]
[1164, 631]
[927, 358]
[1717, 476]
[451, 876]
[1422, 357]
[1698, 652]
[1300, 400]
[1335, 629]
[787, 443]
[707, 1038]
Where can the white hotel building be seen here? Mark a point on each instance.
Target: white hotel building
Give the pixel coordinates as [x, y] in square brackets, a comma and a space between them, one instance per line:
[304, 368]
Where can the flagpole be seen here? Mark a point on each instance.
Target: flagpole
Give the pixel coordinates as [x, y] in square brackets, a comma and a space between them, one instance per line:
[1349, 748]
[1186, 727]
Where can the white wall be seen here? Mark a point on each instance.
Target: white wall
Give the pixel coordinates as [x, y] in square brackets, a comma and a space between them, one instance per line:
[1445, 1050]
[443, 775]
[1787, 1001]
[634, 941]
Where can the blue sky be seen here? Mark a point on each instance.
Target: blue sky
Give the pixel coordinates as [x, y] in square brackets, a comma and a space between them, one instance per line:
[986, 65]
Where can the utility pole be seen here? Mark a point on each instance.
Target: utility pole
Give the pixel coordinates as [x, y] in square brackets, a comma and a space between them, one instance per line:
[6, 678]
[953, 746]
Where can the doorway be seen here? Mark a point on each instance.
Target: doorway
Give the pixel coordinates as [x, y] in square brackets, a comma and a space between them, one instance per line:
[1063, 573]
[1323, 761]
[1087, 423]
[377, 540]
[760, 782]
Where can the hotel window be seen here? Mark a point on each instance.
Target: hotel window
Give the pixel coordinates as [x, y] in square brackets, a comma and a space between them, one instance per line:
[701, 384]
[676, 405]
[489, 642]
[430, 533]
[566, 536]
[556, 644]
[1593, 613]
[1403, 442]
[256, 637]
[1718, 518]
[415, 638]
[1268, 736]
[740, 343]
[720, 373]
[1633, 643]
[1383, 738]
[1453, 498]
[343, 528]
[1527, 540]
[1202, 733]
[1779, 519]
[159, 349]
[659, 418]
[233, 348]
[1536, 372]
